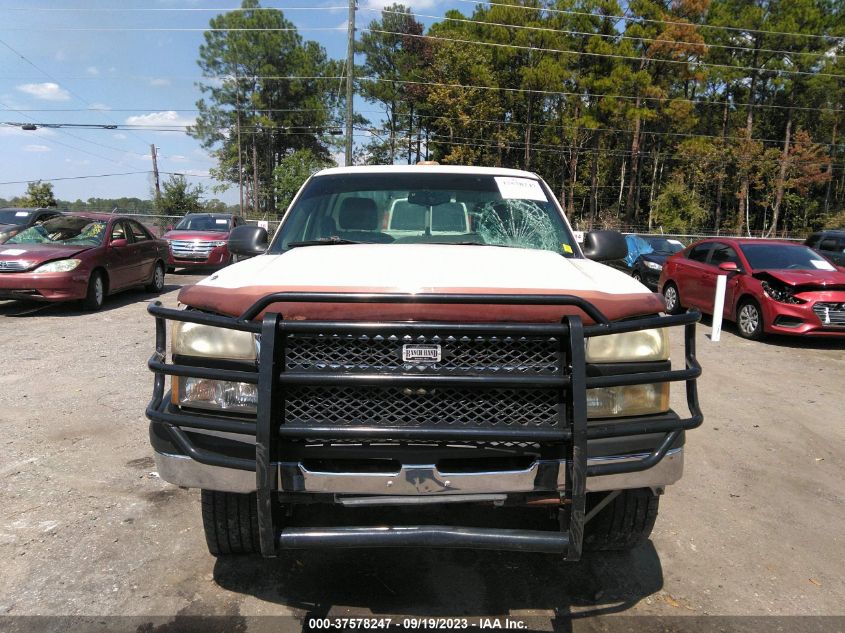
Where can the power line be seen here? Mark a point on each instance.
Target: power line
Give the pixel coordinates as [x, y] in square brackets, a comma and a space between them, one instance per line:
[444, 18]
[49, 76]
[607, 55]
[600, 95]
[640, 19]
[23, 182]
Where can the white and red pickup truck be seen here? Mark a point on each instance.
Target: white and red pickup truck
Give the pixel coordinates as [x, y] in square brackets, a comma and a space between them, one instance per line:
[429, 337]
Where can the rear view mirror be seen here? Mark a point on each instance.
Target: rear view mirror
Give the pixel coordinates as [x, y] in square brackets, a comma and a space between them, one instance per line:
[729, 267]
[603, 246]
[248, 241]
[427, 198]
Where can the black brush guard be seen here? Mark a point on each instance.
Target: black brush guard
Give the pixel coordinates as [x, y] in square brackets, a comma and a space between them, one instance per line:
[568, 442]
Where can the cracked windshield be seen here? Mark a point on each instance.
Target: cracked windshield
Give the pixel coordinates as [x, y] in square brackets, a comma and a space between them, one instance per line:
[426, 209]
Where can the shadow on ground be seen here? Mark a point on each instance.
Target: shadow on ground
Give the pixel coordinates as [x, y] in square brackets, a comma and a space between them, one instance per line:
[17, 308]
[428, 582]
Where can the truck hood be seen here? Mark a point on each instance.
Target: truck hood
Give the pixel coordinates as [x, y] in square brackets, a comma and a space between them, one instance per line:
[36, 254]
[416, 269]
[805, 279]
[201, 236]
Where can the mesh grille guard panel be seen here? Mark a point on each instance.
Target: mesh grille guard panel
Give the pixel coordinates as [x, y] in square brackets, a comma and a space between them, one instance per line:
[460, 353]
[410, 407]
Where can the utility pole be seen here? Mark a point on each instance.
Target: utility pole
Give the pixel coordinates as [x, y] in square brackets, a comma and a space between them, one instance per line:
[155, 170]
[350, 74]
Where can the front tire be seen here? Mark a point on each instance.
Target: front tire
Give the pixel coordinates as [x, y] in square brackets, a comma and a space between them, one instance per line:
[749, 320]
[623, 523]
[96, 294]
[230, 522]
[673, 298]
[157, 283]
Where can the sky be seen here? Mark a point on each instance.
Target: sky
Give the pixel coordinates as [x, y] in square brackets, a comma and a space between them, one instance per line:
[74, 61]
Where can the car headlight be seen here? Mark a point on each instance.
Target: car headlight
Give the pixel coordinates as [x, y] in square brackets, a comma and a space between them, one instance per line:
[205, 341]
[637, 346]
[203, 393]
[653, 265]
[780, 293]
[614, 402]
[60, 266]
[628, 400]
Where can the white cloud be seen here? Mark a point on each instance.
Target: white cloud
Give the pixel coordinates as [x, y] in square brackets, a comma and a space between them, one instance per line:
[93, 71]
[168, 118]
[100, 106]
[178, 158]
[158, 82]
[119, 136]
[36, 148]
[61, 55]
[47, 91]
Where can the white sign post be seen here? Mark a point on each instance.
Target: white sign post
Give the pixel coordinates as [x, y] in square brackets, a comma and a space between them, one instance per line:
[718, 307]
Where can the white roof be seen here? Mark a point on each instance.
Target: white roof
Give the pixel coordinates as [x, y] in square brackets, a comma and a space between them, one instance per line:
[428, 169]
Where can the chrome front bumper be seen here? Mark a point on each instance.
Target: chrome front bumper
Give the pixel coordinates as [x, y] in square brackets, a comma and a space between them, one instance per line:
[419, 480]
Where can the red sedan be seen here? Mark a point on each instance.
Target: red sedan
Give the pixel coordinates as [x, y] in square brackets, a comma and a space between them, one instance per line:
[83, 256]
[772, 286]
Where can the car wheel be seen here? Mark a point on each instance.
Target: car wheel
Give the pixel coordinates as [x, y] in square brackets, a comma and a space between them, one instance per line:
[749, 320]
[96, 294]
[230, 522]
[157, 283]
[625, 522]
[673, 299]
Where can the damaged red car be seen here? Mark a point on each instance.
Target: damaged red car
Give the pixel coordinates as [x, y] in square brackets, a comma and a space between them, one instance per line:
[773, 287]
[84, 256]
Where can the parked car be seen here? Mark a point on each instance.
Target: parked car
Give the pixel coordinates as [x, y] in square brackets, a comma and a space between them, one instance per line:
[13, 221]
[83, 256]
[772, 286]
[831, 244]
[445, 371]
[199, 240]
[646, 255]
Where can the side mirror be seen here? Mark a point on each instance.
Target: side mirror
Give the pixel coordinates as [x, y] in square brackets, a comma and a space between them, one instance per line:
[729, 267]
[248, 241]
[603, 246]
[118, 243]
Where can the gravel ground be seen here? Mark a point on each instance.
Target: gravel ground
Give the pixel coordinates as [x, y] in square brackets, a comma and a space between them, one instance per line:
[88, 528]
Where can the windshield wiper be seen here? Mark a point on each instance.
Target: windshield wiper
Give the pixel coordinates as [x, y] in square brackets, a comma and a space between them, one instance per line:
[325, 241]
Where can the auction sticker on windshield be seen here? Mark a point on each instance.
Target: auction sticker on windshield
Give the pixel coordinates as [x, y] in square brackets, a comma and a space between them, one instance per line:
[520, 189]
[822, 264]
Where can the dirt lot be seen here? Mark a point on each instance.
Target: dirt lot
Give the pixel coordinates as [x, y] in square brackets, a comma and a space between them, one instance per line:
[88, 528]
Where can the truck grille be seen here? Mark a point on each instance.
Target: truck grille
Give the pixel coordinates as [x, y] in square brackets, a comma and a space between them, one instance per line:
[13, 265]
[409, 407]
[459, 354]
[191, 249]
[830, 314]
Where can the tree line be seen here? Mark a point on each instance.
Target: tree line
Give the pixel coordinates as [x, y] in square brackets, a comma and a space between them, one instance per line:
[676, 115]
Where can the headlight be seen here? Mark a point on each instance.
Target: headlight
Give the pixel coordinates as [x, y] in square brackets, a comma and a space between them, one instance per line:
[215, 394]
[641, 345]
[60, 266]
[780, 293]
[194, 339]
[613, 402]
[653, 265]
